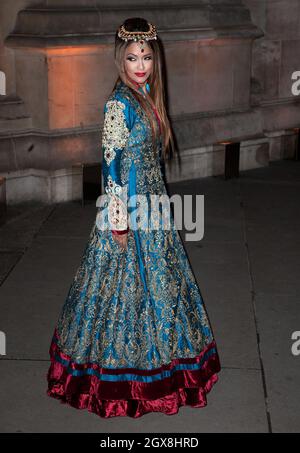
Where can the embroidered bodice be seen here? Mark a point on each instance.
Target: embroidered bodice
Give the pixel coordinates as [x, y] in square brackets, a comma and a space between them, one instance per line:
[131, 165]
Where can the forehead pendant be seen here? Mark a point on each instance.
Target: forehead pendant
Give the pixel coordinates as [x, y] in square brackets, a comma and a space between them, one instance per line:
[142, 44]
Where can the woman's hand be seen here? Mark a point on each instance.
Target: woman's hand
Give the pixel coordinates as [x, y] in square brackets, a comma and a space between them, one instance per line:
[121, 239]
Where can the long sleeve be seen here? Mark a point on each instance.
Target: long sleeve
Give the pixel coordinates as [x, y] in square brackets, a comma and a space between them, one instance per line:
[114, 137]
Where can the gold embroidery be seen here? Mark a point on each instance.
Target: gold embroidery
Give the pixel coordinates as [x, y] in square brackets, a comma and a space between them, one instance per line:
[117, 213]
[107, 317]
[115, 132]
[115, 135]
[112, 187]
[117, 207]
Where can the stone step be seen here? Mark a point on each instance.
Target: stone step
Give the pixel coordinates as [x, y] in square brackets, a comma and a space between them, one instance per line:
[15, 124]
[12, 106]
[13, 114]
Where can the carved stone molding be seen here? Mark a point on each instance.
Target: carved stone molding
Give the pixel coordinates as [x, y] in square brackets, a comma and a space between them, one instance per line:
[60, 24]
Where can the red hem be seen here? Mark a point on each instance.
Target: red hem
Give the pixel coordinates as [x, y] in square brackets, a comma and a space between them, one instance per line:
[131, 398]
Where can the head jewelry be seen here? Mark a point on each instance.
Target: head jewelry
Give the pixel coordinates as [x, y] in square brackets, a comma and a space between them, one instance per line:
[138, 36]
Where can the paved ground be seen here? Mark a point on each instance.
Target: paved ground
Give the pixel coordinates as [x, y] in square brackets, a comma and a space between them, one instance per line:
[248, 269]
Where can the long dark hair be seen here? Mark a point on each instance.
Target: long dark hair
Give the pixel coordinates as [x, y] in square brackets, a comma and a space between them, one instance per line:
[157, 93]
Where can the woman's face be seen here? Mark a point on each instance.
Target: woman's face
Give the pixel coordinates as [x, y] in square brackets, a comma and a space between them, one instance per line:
[138, 65]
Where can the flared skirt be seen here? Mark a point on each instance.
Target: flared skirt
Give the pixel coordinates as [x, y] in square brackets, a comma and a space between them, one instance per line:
[133, 335]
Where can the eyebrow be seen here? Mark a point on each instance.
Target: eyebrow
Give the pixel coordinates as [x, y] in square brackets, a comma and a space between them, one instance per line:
[146, 55]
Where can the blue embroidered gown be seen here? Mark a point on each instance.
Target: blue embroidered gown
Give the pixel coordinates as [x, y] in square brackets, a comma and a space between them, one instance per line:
[133, 335]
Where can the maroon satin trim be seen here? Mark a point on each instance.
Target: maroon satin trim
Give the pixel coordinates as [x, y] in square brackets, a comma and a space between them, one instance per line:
[120, 231]
[132, 398]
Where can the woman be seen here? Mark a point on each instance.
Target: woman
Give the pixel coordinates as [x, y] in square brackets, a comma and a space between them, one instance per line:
[133, 336]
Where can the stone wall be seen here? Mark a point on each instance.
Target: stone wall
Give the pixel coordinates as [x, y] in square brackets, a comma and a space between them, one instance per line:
[229, 66]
